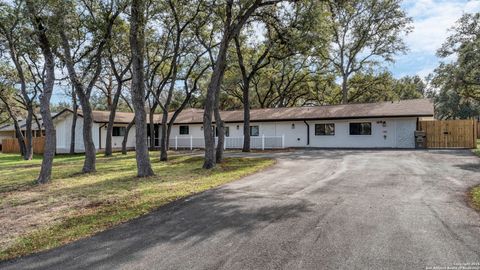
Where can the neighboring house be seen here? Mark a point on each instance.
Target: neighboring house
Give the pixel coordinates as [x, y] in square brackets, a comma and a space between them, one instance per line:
[8, 131]
[368, 125]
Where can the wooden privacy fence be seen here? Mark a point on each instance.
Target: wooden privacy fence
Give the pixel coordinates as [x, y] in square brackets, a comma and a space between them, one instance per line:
[11, 145]
[450, 133]
[478, 130]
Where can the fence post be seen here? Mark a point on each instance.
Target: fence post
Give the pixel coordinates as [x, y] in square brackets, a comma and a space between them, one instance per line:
[191, 143]
[176, 142]
[283, 141]
[263, 141]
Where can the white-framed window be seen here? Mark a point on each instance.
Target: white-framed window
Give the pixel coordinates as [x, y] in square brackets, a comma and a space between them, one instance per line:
[183, 130]
[325, 129]
[254, 131]
[361, 128]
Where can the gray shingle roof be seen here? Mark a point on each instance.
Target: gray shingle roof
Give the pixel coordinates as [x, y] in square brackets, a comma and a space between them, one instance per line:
[404, 108]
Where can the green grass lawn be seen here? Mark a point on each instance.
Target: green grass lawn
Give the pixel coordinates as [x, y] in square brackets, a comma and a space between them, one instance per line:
[475, 197]
[477, 151]
[73, 205]
[475, 192]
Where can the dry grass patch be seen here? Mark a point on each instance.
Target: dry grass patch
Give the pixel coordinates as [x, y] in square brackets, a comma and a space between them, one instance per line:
[73, 206]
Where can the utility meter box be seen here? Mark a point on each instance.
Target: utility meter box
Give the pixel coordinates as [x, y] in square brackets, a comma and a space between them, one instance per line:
[420, 139]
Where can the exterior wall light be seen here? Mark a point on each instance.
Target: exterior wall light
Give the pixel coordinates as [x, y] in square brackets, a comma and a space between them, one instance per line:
[293, 126]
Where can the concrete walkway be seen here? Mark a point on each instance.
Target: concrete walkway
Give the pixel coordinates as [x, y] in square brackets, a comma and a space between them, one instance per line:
[323, 209]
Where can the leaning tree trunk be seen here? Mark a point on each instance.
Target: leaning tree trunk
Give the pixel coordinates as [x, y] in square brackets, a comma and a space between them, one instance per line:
[137, 42]
[20, 138]
[28, 144]
[246, 118]
[210, 103]
[49, 65]
[125, 137]
[90, 151]
[74, 123]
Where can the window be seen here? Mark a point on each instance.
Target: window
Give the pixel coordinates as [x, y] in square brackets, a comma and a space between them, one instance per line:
[254, 131]
[324, 129]
[364, 128]
[118, 131]
[183, 130]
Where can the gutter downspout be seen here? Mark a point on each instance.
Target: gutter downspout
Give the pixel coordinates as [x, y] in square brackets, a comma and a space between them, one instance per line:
[308, 132]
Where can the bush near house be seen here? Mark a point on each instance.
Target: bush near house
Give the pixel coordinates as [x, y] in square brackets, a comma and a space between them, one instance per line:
[73, 205]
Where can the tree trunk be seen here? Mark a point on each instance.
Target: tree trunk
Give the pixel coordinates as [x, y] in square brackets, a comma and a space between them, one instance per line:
[28, 103]
[74, 122]
[220, 130]
[125, 137]
[137, 42]
[246, 117]
[152, 126]
[344, 89]
[220, 135]
[50, 137]
[164, 137]
[111, 120]
[230, 30]
[49, 65]
[211, 101]
[109, 94]
[28, 132]
[20, 138]
[90, 151]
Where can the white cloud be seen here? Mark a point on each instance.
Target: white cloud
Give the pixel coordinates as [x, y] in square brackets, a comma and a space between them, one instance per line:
[432, 19]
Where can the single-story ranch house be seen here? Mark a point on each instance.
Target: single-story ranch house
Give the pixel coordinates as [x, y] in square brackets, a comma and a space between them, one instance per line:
[367, 125]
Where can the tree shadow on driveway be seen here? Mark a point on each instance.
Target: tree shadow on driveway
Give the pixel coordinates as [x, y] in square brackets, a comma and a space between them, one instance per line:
[474, 167]
[185, 223]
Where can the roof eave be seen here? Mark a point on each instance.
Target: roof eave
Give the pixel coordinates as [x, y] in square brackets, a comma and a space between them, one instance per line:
[319, 118]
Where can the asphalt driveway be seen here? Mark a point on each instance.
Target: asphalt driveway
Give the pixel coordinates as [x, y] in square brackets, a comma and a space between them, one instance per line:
[320, 209]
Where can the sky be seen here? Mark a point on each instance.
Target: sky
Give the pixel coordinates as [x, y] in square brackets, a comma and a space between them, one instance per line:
[431, 21]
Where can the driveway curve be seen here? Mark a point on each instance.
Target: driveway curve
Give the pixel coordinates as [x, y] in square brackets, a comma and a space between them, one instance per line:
[318, 209]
